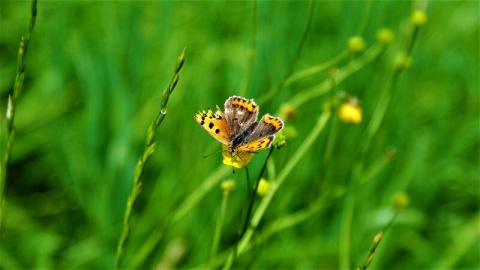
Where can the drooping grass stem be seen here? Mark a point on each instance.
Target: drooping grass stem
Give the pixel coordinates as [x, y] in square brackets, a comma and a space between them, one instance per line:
[149, 149]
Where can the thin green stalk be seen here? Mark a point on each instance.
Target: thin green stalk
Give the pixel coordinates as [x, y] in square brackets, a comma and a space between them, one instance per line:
[345, 231]
[250, 198]
[11, 107]
[366, 15]
[274, 90]
[310, 71]
[254, 192]
[365, 142]
[282, 223]
[340, 75]
[218, 228]
[302, 150]
[357, 171]
[251, 52]
[375, 168]
[149, 149]
[387, 93]
[200, 192]
[291, 220]
[212, 180]
[465, 241]
[371, 253]
[332, 129]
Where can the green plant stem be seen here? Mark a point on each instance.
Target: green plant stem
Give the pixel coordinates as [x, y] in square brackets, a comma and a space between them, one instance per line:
[291, 220]
[371, 253]
[276, 226]
[218, 228]
[149, 149]
[332, 127]
[254, 193]
[283, 223]
[302, 150]
[465, 241]
[251, 52]
[11, 107]
[310, 71]
[357, 171]
[345, 231]
[212, 180]
[366, 15]
[274, 90]
[375, 169]
[365, 142]
[340, 75]
[182, 210]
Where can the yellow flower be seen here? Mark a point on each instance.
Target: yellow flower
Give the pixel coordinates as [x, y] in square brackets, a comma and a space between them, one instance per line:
[263, 187]
[350, 112]
[236, 159]
[418, 18]
[356, 45]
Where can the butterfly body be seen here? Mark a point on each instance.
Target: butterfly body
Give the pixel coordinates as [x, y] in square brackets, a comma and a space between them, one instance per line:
[238, 127]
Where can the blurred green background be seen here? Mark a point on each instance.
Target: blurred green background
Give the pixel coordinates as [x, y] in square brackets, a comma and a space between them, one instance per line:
[94, 81]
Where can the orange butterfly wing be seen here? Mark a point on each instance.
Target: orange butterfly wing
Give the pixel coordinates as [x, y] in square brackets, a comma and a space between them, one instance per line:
[215, 124]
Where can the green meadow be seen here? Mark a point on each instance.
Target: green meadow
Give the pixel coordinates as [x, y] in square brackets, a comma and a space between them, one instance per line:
[103, 165]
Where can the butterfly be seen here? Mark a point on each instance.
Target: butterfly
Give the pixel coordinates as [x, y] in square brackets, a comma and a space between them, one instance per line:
[238, 128]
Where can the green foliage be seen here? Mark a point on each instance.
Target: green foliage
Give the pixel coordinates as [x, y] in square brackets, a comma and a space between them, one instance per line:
[94, 81]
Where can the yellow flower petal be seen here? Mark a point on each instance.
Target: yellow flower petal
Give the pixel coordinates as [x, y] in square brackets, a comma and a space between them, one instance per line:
[350, 113]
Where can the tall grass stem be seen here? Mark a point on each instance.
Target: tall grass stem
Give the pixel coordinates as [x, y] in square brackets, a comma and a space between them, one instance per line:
[149, 149]
[11, 107]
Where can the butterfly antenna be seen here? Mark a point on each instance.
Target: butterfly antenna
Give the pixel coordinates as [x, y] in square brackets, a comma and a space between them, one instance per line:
[219, 151]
